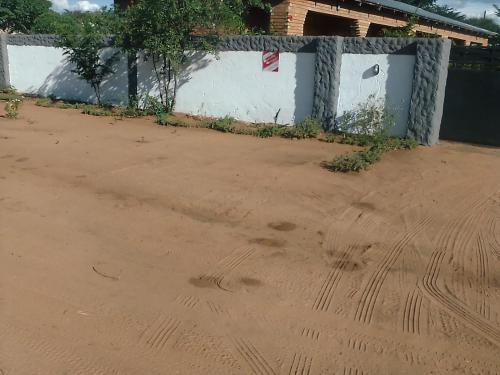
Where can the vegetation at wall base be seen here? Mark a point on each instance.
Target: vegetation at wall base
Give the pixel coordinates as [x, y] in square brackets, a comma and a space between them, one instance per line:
[53, 103]
[93, 110]
[366, 126]
[308, 128]
[12, 108]
[224, 125]
[13, 101]
[131, 111]
[361, 160]
[10, 93]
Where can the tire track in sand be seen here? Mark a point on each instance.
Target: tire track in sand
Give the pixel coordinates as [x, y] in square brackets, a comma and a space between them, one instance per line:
[310, 333]
[461, 227]
[351, 218]
[157, 336]
[351, 371]
[255, 360]
[482, 272]
[225, 266]
[327, 290]
[188, 301]
[369, 296]
[411, 311]
[463, 251]
[453, 305]
[493, 240]
[301, 365]
[56, 354]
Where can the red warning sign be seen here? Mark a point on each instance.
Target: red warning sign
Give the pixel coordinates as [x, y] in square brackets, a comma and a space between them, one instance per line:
[270, 61]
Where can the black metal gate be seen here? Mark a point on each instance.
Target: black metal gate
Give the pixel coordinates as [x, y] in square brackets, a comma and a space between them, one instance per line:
[472, 103]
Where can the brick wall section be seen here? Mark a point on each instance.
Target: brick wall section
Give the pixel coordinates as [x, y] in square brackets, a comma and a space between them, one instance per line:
[279, 18]
[361, 28]
[298, 16]
[298, 9]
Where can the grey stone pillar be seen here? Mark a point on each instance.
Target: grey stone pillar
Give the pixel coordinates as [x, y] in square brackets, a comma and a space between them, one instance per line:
[4, 62]
[327, 79]
[429, 84]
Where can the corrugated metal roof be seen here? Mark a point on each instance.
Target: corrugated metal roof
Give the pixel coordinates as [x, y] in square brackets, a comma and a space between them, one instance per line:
[410, 9]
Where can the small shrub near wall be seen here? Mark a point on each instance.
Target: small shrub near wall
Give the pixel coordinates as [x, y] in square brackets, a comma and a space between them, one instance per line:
[309, 128]
[368, 125]
[12, 108]
[13, 102]
[368, 122]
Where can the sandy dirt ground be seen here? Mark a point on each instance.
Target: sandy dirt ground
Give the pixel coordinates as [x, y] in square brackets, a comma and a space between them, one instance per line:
[129, 248]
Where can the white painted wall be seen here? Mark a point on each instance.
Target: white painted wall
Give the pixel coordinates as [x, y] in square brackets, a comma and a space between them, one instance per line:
[231, 84]
[44, 71]
[234, 84]
[392, 86]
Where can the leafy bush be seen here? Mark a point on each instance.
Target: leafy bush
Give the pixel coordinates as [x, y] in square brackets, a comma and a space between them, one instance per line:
[359, 160]
[398, 144]
[355, 139]
[9, 93]
[44, 102]
[224, 125]
[265, 132]
[131, 111]
[166, 119]
[331, 138]
[367, 124]
[268, 131]
[93, 110]
[309, 128]
[162, 118]
[12, 108]
[152, 106]
[355, 161]
[245, 131]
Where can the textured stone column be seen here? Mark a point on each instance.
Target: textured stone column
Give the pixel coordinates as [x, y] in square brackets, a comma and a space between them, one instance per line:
[327, 79]
[4, 62]
[429, 84]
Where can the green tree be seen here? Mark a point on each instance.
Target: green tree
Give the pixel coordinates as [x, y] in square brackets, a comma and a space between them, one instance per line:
[432, 6]
[20, 15]
[84, 47]
[165, 30]
[484, 23]
[488, 24]
[54, 23]
[420, 3]
[406, 31]
[446, 11]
